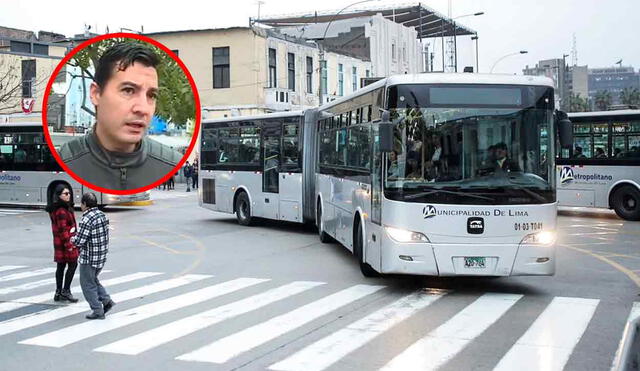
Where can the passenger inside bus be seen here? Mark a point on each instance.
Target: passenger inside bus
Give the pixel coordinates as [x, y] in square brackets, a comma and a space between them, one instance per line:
[600, 153]
[578, 153]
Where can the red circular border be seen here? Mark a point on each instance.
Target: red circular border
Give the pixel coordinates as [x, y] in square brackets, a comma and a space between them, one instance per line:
[196, 96]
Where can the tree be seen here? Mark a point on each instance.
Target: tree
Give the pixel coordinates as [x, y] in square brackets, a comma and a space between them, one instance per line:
[603, 100]
[11, 83]
[175, 102]
[578, 103]
[630, 96]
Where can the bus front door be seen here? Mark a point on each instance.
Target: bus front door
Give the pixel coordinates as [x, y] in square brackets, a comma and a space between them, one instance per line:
[270, 181]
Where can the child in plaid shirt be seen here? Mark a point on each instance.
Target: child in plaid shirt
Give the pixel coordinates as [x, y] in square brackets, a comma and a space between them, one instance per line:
[93, 241]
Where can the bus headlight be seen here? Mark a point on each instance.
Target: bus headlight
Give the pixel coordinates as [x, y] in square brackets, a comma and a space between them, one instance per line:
[402, 235]
[540, 238]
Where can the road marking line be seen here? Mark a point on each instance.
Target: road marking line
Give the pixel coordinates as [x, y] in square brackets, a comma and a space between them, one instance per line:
[5, 268]
[27, 286]
[632, 276]
[334, 347]
[633, 314]
[550, 340]
[161, 335]
[443, 343]
[17, 276]
[85, 330]
[224, 349]
[31, 300]
[34, 319]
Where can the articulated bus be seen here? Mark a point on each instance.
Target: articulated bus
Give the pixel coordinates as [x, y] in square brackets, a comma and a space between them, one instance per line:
[431, 174]
[29, 173]
[602, 169]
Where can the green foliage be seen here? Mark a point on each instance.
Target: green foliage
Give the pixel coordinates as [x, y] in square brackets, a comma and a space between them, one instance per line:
[630, 96]
[578, 103]
[603, 100]
[175, 102]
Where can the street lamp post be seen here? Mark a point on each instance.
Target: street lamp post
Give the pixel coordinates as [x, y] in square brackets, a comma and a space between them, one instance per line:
[455, 44]
[321, 49]
[477, 59]
[505, 56]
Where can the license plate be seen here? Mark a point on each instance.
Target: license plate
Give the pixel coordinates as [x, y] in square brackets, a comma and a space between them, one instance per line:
[475, 262]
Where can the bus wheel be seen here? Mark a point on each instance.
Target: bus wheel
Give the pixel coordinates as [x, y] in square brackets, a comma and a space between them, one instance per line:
[243, 209]
[358, 243]
[626, 202]
[324, 236]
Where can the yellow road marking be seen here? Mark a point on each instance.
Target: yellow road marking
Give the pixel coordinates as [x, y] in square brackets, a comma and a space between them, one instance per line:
[631, 274]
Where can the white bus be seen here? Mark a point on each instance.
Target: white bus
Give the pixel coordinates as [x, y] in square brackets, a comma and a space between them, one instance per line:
[408, 173]
[29, 173]
[602, 169]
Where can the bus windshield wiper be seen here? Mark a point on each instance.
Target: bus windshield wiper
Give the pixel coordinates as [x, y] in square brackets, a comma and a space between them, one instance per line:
[457, 193]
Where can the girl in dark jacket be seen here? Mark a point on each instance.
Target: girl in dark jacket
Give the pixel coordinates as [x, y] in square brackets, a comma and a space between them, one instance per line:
[63, 225]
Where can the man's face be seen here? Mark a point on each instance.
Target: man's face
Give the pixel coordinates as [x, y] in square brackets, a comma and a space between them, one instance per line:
[501, 153]
[125, 106]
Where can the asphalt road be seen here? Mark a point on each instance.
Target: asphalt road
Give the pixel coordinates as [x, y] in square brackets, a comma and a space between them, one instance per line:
[196, 291]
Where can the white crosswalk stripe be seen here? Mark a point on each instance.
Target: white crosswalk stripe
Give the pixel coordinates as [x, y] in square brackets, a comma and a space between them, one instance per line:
[21, 275]
[332, 348]
[9, 212]
[4, 268]
[633, 314]
[550, 340]
[547, 343]
[161, 335]
[35, 319]
[222, 350]
[41, 298]
[446, 341]
[70, 335]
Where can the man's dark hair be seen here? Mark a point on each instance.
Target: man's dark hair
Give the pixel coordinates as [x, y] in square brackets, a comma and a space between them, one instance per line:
[89, 200]
[123, 55]
[501, 145]
[578, 149]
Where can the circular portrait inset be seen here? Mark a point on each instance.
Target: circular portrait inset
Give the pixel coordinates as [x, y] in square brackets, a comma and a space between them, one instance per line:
[122, 113]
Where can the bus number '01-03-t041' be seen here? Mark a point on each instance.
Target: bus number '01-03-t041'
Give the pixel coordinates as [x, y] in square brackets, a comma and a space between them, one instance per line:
[533, 226]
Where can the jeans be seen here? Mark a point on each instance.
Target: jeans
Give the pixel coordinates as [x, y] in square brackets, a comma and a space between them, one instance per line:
[93, 291]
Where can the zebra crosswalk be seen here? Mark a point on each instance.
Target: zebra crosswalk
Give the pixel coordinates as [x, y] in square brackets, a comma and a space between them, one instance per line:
[193, 304]
[10, 211]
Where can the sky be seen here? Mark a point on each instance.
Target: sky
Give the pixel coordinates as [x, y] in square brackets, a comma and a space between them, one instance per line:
[605, 31]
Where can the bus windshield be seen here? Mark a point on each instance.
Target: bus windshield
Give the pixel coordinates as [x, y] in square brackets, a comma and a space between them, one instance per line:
[485, 145]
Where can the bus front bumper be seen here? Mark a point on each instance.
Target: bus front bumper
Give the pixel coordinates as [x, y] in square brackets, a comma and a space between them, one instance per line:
[468, 260]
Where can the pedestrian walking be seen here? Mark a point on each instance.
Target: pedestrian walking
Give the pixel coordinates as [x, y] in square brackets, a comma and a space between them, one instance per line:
[194, 174]
[93, 241]
[187, 171]
[65, 253]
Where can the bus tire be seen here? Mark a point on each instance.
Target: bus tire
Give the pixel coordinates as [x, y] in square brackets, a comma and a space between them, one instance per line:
[243, 209]
[358, 243]
[324, 236]
[626, 202]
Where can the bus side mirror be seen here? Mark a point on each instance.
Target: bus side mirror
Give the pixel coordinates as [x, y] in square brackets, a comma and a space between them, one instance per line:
[386, 133]
[565, 129]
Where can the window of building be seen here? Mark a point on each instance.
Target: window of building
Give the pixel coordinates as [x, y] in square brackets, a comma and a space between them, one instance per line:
[367, 73]
[40, 49]
[221, 69]
[309, 75]
[273, 77]
[20, 47]
[354, 78]
[28, 77]
[393, 51]
[323, 80]
[340, 79]
[291, 71]
[176, 52]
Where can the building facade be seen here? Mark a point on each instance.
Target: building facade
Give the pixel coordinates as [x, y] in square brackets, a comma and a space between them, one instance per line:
[252, 70]
[613, 80]
[26, 64]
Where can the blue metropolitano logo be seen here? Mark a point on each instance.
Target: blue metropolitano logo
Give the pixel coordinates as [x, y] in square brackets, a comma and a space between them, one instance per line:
[429, 211]
[566, 175]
